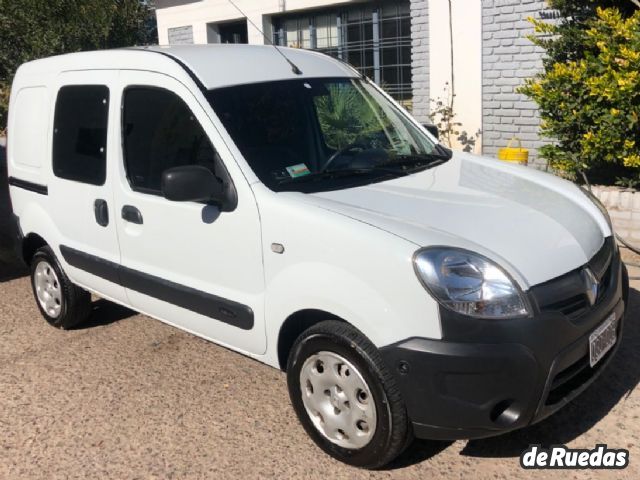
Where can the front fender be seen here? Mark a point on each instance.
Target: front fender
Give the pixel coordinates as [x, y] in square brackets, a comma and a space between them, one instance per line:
[381, 312]
[349, 269]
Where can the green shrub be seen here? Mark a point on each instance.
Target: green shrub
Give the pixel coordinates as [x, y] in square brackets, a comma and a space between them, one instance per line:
[590, 101]
[344, 116]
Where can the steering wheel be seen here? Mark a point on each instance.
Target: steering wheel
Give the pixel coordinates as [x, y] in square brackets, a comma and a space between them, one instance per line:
[349, 148]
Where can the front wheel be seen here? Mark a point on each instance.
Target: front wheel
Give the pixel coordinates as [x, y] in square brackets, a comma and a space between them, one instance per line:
[345, 397]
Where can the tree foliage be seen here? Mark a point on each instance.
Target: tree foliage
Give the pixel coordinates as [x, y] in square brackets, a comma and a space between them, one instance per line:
[589, 91]
[569, 41]
[345, 116]
[31, 29]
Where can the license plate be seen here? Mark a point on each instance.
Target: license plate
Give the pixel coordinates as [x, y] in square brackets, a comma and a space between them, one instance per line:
[602, 339]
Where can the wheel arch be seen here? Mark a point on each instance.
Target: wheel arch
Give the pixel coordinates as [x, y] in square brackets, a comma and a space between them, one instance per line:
[294, 325]
[31, 243]
[36, 228]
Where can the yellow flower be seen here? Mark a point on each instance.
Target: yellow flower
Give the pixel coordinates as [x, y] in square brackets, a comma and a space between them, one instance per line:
[632, 161]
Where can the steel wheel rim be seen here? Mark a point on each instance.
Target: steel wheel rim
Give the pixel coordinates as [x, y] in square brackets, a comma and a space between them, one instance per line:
[48, 289]
[338, 400]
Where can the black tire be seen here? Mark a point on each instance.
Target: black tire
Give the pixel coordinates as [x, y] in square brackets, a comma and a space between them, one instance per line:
[75, 303]
[393, 431]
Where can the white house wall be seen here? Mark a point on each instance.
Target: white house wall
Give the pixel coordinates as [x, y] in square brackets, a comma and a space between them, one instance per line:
[466, 18]
[199, 14]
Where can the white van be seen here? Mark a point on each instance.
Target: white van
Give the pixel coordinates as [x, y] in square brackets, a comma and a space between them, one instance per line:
[290, 210]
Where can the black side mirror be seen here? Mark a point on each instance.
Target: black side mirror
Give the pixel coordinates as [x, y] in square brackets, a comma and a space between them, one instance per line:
[193, 183]
[433, 130]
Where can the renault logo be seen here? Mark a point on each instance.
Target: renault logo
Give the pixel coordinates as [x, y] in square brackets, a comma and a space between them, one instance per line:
[592, 284]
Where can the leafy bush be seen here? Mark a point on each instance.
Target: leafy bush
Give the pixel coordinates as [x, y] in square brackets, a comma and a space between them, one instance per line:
[443, 116]
[344, 116]
[31, 29]
[590, 99]
[628, 183]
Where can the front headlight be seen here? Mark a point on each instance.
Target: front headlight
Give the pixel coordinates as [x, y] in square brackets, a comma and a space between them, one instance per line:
[469, 283]
[596, 201]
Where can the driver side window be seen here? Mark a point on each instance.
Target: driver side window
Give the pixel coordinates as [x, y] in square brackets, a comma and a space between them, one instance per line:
[160, 132]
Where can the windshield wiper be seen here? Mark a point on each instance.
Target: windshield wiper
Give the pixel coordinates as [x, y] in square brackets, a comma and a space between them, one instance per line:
[419, 161]
[444, 151]
[402, 165]
[441, 153]
[343, 172]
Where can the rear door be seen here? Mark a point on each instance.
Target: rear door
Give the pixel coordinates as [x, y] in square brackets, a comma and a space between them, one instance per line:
[80, 191]
[187, 263]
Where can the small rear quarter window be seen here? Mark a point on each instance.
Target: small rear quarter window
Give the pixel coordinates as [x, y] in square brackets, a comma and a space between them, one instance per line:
[80, 133]
[29, 130]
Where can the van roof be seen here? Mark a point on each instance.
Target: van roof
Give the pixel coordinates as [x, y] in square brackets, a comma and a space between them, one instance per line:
[213, 66]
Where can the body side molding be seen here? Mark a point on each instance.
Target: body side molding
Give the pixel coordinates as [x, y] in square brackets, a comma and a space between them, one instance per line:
[30, 186]
[218, 308]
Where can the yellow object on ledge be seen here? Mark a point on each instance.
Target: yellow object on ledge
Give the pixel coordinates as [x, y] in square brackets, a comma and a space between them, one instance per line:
[514, 155]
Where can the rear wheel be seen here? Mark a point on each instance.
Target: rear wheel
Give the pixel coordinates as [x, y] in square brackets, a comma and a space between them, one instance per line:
[61, 303]
[345, 397]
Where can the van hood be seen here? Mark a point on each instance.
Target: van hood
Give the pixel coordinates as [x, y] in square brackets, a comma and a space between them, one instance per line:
[535, 225]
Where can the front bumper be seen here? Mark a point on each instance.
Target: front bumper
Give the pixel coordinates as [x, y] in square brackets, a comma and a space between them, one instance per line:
[486, 377]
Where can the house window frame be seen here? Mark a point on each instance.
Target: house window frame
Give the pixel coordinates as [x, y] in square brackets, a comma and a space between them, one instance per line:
[371, 13]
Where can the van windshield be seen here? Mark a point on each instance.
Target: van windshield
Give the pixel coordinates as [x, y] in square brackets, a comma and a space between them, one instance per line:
[322, 134]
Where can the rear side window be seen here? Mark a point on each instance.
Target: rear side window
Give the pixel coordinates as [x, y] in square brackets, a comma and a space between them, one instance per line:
[160, 132]
[30, 127]
[80, 133]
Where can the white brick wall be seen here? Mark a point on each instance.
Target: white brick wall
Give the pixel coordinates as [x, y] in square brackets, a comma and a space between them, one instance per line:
[420, 58]
[624, 209]
[181, 35]
[508, 58]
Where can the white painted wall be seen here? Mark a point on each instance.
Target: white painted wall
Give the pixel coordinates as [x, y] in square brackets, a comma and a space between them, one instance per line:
[467, 52]
[199, 14]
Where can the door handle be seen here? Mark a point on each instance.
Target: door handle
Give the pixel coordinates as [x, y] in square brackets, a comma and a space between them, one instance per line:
[101, 211]
[132, 215]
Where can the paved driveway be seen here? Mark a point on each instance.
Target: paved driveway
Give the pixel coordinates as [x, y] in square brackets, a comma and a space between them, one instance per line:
[129, 397]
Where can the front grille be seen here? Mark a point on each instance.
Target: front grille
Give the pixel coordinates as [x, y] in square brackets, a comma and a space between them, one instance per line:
[567, 294]
[569, 379]
[601, 261]
[605, 283]
[571, 307]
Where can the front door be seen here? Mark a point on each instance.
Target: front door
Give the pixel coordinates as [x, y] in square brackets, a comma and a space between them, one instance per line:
[80, 191]
[187, 263]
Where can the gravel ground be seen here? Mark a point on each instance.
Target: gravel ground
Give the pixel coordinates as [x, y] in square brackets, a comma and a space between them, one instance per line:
[128, 397]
